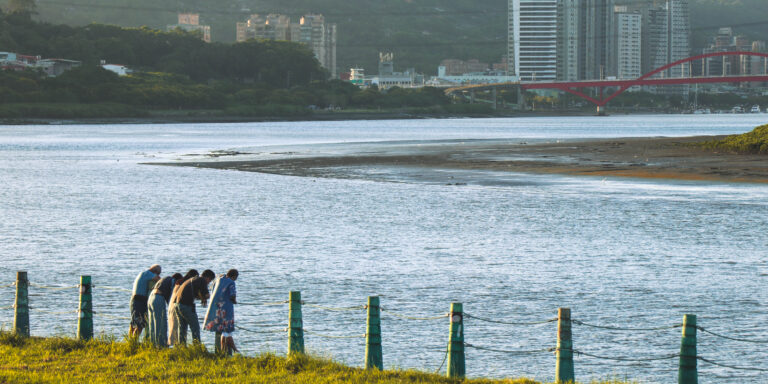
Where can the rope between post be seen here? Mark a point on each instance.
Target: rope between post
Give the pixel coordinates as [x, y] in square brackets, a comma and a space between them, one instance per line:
[53, 288]
[665, 357]
[253, 331]
[52, 312]
[414, 317]
[335, 309]
[732, 366]
[8, 307]
[509, 322]
[445, 357]
[523, 352]
[626, 329]
[268, 303]
[111, 288]
[110, 316]
[333, 336]
[8, 285]
[731, 338]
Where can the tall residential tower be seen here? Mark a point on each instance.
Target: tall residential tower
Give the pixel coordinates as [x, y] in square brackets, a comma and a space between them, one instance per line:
[532, 39]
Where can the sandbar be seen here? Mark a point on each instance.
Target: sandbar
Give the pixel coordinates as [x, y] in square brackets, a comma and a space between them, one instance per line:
[651, 158]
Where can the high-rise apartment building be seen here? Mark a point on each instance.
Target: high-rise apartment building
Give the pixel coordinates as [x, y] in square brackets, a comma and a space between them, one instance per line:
[585, 39]
[569, 40]
[678, 35]
[321, 37]
[311, 30]
[532, 39]
[628, 35]
[597, 55]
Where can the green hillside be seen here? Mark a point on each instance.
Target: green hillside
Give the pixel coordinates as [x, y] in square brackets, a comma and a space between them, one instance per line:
[419, 32]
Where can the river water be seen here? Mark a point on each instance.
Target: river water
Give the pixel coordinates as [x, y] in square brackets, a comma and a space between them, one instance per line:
[77, 200]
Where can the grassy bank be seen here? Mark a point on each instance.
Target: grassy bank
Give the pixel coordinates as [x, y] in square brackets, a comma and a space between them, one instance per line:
[754, 142]
[60, 360]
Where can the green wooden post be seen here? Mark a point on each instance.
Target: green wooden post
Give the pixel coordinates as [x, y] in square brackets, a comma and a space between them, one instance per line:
[564, 366]
[373, 354]
[85, 311]
[456, 367]
[687, 373]
[21, 313]
[295, 324]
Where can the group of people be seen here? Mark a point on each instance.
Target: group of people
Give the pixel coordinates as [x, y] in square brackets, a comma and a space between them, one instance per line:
[165, 306]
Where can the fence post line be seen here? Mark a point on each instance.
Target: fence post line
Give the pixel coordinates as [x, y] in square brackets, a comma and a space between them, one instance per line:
[564, 365]
[456, 367]
[85, 310]
[295, 324]
[687, 373]
[21, 305]
[373, 353]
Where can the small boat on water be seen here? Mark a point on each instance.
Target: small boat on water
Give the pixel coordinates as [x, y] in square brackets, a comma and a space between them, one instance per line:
[702, 111]
[755, 109]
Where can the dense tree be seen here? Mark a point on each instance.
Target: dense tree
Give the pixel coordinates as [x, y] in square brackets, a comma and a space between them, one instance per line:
[21, 6]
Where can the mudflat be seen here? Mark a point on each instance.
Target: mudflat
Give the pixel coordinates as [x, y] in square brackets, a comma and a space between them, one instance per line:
[656, 158]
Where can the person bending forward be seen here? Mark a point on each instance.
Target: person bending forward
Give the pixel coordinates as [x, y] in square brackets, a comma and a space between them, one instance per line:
[141, 287]
[157, 325]
[185, 312]
[220, 317]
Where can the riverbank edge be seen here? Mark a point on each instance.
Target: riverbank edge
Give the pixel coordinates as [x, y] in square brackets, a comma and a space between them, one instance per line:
[329, 116]
[667, 158]
[106, 360]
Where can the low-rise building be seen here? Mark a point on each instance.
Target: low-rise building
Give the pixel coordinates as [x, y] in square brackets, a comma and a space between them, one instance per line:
[190, 22]
[55, 67]
[387, 77]
[119, 69]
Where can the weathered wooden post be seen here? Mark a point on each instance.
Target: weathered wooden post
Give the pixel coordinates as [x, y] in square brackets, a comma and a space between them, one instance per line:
[21, 305]
[295, 324]
[687, 373]
[564, 365]
[85, 311]
[373, 354]
[456, 367]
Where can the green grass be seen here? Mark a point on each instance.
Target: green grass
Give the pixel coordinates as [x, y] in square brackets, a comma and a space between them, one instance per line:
[754, 142]
[107, 360]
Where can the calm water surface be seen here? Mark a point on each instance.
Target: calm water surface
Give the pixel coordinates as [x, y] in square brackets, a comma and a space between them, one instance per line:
[622, 252]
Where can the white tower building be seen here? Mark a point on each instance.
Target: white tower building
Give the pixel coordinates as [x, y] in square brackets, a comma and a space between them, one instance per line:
[532, 39]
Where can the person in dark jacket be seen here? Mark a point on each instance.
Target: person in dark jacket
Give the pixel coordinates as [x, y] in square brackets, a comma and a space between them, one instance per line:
[173, 336]
[185, 312]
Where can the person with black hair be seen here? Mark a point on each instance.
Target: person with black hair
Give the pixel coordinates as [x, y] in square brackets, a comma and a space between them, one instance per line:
[173, 337]
[157, 324]
[220, 317]
[185, 311]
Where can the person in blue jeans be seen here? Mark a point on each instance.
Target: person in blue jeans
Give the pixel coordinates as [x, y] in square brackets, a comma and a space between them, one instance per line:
[143, 284]
[185, 313]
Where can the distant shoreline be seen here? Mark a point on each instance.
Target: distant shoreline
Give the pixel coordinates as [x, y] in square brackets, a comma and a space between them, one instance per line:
[650, 158]
[331, 116]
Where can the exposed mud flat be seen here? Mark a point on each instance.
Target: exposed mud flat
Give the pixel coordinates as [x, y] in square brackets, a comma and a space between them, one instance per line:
[653, 158]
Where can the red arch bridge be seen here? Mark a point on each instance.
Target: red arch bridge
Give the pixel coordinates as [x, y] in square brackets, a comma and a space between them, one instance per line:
[575, 87]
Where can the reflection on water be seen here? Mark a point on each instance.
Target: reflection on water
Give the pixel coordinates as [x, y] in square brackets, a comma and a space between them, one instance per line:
[75, 200]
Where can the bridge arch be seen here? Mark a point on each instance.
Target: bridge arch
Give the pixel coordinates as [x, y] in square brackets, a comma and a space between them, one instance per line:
[644, 79]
